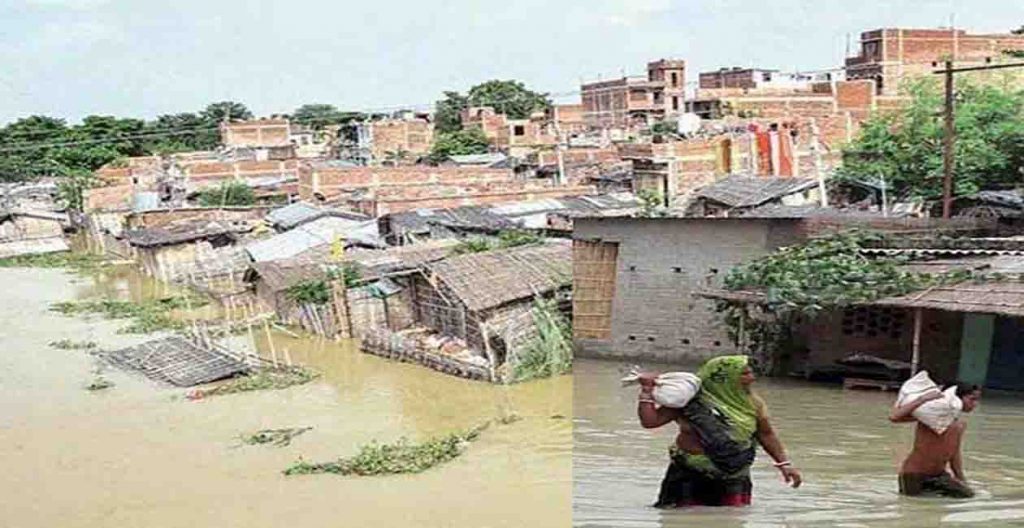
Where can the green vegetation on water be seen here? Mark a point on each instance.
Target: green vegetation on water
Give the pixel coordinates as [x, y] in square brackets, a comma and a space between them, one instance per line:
[64, 259]
[275, 437]
[98, 384]
[147, 316]
[263, 379]
[398, 458]
[68, 344]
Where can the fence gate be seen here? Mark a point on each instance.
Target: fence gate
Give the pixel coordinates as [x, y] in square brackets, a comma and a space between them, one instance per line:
[593, 272]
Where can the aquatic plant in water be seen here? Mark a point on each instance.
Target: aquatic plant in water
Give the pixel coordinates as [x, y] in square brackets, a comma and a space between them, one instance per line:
[98, 384]
[64, 259]
[147, 316]
[276, 437]
[68, 344]
[397, 458]
[262, 379]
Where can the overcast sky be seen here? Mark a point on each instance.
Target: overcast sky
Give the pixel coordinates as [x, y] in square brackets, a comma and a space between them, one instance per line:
[72, 58]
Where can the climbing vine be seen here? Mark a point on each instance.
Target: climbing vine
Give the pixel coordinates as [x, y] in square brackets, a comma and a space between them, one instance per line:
[823, 274]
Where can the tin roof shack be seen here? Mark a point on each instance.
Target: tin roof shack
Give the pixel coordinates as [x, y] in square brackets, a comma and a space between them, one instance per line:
[31, 233]
[375, 294]
[964, 328]
[477, 309]
[164, 252]
[633, 280]
[299, 213]
[411, 227]
[737, 194]
[320, 232]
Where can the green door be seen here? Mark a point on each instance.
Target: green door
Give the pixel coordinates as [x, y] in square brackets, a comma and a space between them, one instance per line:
[976, 347]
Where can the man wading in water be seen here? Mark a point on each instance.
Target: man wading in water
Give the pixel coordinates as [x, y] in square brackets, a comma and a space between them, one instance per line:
[711, 458]
[924, 471]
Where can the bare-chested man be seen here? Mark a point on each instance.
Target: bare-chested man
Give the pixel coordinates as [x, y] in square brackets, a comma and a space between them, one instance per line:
[925, 469]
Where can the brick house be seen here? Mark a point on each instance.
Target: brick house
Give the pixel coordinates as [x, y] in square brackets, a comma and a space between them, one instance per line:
[891, 55]
[636, 101]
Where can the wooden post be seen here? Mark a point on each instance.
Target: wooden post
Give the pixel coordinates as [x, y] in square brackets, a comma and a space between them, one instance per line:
[270, 341]
[915, 359]
[742, 331]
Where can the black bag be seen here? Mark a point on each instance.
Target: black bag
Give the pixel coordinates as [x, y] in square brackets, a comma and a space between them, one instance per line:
[712, 429]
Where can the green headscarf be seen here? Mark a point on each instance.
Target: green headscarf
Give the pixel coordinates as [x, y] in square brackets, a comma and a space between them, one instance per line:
[721, 389]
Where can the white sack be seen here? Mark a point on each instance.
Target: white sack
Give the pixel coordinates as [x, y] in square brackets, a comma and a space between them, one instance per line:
[671, 389]
[937, 414]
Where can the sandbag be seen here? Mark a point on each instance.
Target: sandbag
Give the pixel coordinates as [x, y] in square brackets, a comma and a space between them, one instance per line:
[937, 414]
[671, 389]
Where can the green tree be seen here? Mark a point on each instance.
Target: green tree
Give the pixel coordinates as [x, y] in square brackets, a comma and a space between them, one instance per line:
[448, 112]
[511, 98]
[226, 111]
[460, 142]
[317, 116]
[72, 187]
[227, 194]
[906, 147]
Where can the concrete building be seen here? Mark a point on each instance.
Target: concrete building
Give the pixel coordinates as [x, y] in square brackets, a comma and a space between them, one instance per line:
[892, 55]
[636, 101]
[635, 279]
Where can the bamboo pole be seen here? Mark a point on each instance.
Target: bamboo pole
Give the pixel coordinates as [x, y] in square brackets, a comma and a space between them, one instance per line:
[915, 359]
[270, 341]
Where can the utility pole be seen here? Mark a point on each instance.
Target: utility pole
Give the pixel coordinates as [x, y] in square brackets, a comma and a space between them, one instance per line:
[558, 148]
[949, 143]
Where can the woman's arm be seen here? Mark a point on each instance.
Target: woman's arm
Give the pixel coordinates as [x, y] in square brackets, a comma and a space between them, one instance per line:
[773, 446]
[651, 416]
[903, 413]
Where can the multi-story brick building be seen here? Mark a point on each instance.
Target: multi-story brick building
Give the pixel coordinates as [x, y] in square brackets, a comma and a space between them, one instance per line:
[256, 133]
[759, 78]
[893, 55]
[636, 101]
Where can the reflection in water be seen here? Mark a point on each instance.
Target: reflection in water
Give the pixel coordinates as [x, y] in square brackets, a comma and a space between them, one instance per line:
[141, 455]
[841, 440]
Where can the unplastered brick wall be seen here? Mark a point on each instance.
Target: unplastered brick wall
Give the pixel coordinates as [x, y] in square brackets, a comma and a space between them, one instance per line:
[579, 155]
[109, 198]
[661, 264]
[413, 136]
[256, 133]
[163, 217]
[398, 200]
[212, 173]
[332, 182]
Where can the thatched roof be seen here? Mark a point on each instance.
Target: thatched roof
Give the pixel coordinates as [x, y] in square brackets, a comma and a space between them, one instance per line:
[402, 258]
[996, 297]
[490, 279]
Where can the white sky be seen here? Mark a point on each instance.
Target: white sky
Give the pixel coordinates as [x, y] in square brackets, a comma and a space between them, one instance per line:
[71, 58]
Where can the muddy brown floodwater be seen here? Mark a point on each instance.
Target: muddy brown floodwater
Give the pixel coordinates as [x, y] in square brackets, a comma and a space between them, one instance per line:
[841, 440]
[139, 454]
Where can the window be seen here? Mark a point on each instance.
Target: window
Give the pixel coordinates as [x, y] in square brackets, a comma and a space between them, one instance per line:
[675, 103]
[519, 130]
[873, 322]
[675, 79]
[659, 98]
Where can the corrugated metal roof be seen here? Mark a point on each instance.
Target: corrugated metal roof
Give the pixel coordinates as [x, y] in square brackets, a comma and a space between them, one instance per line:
[310, 235]
[292, 215]
[750, 191]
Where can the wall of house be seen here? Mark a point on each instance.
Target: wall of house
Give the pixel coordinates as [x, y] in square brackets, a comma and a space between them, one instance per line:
[212, 173]
[261, 132]
[886, 333]
[976, 347]
[163, 217]
[158, 262]
[27, 227]
[660, 264]
[335, 182]
[413, 136]
[108, 198]
[471, 194]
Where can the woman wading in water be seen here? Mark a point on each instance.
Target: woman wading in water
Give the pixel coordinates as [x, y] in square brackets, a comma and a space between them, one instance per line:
[711, 458]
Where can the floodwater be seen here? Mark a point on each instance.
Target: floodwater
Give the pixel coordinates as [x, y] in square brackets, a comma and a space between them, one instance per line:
[139, 454]
[841, 440]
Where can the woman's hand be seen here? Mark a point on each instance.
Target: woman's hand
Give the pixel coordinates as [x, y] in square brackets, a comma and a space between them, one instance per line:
[792, 476]
[647, 380]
